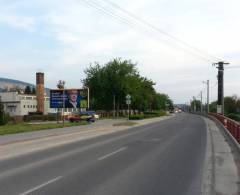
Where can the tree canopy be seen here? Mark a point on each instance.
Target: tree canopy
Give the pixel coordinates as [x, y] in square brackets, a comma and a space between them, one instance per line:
[114, 80]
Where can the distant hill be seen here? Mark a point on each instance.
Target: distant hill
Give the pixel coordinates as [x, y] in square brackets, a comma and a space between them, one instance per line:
[11, 83]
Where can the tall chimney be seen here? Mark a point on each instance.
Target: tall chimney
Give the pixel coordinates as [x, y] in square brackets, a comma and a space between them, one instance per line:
[40, 92]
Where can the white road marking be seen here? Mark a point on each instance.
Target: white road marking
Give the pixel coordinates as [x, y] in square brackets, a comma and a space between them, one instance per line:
[40, 186]
[112, 153]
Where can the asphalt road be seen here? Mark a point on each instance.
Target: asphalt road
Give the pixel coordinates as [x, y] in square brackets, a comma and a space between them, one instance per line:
[163, 158]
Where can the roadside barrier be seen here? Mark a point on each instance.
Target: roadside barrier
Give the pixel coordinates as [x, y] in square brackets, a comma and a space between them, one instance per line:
[232, 126]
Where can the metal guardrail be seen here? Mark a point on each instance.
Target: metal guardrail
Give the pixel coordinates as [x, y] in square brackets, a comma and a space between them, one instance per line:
[232, 126]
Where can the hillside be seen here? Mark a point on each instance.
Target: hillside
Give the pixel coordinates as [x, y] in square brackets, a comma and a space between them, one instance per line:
[10, 83]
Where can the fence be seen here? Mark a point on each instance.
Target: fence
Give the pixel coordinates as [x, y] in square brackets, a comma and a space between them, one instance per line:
[232, 126]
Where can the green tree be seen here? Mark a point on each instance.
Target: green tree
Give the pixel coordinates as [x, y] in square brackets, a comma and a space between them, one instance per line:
[33, 90]
[3, 118]
[162, 102]
[115, 80]
[213, 107]
[28, 90]
[230, 104]
[197, 104]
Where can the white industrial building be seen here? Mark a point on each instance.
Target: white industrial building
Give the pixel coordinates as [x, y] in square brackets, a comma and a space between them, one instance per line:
[17, 104]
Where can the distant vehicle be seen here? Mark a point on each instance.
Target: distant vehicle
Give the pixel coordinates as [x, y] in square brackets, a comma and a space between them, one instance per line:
[90, 113]
[89, 116]
[74, 118]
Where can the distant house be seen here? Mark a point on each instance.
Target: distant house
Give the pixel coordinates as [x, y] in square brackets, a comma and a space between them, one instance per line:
[18, 104]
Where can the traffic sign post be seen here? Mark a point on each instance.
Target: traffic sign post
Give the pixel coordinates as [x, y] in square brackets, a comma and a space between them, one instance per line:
[128, 102]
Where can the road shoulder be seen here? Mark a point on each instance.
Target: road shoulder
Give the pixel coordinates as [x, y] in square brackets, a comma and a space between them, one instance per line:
[221, 175]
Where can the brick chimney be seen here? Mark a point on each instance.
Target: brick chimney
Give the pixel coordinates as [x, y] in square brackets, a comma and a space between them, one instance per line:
[40, 92]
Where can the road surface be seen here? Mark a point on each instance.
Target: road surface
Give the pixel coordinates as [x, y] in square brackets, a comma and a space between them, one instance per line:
[165, 157]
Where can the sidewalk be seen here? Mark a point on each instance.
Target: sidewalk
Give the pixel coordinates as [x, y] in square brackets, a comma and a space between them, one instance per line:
[222, 164]
[18, 144]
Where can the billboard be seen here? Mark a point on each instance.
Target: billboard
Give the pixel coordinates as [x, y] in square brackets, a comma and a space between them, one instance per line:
[69, 98]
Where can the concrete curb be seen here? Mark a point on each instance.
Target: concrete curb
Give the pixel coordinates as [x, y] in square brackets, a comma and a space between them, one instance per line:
[227, 133]
[221, 170]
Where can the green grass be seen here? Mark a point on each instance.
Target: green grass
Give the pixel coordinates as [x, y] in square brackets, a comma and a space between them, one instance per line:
[25, 127]
[128, 123]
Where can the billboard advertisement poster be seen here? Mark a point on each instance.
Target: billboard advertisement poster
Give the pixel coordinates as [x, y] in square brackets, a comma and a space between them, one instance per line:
[72, 98]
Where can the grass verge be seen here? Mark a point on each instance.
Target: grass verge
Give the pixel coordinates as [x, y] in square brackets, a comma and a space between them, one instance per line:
[128, 123]
[25, 127]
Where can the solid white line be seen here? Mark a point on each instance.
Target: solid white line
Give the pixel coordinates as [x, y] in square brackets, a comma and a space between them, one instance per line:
[40, 186]
[112, 153]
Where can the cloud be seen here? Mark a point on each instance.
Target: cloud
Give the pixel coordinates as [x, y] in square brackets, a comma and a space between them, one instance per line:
[79, 35]
[17, 21]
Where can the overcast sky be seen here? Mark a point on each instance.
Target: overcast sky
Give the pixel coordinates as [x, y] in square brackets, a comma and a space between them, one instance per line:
[62, 37]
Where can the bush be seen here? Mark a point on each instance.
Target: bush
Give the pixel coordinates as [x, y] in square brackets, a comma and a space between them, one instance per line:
[136, 117]
[154, 114]
[4, 119]
[233, 116]
[28, 118]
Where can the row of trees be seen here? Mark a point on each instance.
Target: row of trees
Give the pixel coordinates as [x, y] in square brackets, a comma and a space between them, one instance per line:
[29, 90]
[231, 106]
[111, 83]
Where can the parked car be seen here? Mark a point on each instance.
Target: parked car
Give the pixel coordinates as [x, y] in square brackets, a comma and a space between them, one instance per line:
[74, 118]
[89, 116]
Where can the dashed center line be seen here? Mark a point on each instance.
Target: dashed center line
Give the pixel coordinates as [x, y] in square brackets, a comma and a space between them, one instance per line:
[40, 186]
[112, 153]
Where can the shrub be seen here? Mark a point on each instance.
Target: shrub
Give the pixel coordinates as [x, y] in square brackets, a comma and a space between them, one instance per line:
[4, 119]
[28, 118]
[136, 117]
[233, 116]
[154, 114]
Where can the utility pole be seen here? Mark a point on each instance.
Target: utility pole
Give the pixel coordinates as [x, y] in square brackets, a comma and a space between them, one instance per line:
[61, 85]
[114, 106]
[207, 95]
[194, 104]
[220, 102]
[201, 103]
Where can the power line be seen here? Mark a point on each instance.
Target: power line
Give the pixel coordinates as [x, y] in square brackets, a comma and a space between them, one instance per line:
[153, 27]
[232, 67]
[107, 12]
[133, 24]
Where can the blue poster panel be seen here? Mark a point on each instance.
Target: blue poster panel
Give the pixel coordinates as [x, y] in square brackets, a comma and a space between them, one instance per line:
[69, 98]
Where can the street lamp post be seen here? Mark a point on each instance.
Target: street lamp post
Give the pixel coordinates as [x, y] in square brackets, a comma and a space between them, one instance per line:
[61, 85]
[207, 94]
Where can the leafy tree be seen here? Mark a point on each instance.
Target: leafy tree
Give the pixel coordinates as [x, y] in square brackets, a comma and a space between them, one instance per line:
[28, 90]
[213, 107]
[3, 118]
[230, 104]
[60, 84]
[197, 104]
[116, 79]
[33, 90]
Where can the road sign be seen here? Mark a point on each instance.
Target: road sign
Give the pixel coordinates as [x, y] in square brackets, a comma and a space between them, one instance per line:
[128, 102]
[128, 97]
